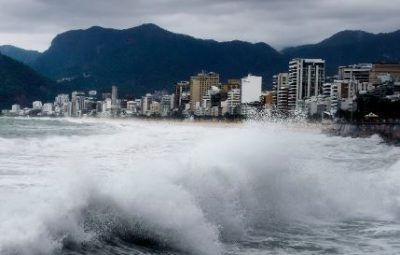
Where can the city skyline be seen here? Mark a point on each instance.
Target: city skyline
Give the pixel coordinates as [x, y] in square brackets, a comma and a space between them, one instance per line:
[32, 24]
[302, 90]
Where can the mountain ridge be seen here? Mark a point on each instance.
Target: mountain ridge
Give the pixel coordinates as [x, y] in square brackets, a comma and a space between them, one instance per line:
[351, 47]
[22, 55]
[19, 84]
[148, 57]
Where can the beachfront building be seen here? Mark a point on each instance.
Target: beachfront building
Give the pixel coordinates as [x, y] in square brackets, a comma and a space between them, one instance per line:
[37, 105]
[359, 72]
[231, 84]
[306, 77]
[15, 108]
[167, 104]
[47, 109]
[182, 94]
[280, 91]
[199, 85]
[393, 70]
[251, 89]
[146, 103]
[233, 101]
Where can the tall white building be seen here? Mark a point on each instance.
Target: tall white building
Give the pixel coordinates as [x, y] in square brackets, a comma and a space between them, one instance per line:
[107, 105]
[306, 77]
[114, 95]
[61, 103]
[280, 95]
[334, 95]
[146, 103]
[233, 101]
[78, 103]
[251, 89]
[167, 104]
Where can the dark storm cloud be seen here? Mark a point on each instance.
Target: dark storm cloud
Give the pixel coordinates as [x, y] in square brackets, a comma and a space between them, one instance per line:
[33, 23]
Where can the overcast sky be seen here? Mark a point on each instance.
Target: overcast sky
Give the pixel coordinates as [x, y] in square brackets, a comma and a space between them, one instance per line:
[32, 24]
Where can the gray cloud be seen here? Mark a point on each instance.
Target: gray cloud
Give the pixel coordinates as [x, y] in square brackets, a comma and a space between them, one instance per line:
[33, 23]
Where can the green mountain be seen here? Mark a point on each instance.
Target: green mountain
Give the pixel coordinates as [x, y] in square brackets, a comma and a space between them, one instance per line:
[147, 57]
[24, 56]
[351, 47]
[22, 85]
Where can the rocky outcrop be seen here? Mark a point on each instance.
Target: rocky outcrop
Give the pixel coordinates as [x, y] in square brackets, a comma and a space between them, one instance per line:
[390, 132]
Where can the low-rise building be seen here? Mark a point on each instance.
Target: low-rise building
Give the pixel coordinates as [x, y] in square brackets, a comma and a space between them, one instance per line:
[37, 105]
[48, 109]
[15, 108]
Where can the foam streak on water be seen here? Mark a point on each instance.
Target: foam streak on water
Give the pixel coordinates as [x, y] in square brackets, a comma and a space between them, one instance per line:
[133, 187]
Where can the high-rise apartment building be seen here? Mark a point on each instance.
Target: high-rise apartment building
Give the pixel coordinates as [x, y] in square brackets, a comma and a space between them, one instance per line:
[233, 101]
[306, 77]
[231, 84]
[359, 72]
[280, 91]
[182, 94]
[78, 103]
[166, 104]
[251, 89]
[146, 103]
[114, 99]
[199, 85]
[114, 95]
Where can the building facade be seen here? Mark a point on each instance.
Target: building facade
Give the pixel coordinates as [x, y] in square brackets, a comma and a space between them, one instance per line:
[280, 91]
[306, 77]
[251, 89]
[381, 69]
[199, 85]
[182, 94]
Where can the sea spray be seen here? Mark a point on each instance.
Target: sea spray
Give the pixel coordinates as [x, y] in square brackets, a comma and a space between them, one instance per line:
[153, 187]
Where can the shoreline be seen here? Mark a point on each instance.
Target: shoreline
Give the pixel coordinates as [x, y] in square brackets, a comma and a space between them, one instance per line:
[389, 132]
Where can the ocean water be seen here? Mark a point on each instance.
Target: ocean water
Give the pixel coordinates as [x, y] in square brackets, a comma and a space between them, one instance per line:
[71, 186]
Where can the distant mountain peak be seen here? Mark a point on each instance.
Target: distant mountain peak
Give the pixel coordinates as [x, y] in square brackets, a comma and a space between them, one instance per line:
[95, 28]
[149, 26]
[21, 55]
[145, 26]
[20, 84]
[147, 57]
[347, 36]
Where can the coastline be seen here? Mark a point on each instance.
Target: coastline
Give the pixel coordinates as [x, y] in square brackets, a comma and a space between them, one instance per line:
[389, 132]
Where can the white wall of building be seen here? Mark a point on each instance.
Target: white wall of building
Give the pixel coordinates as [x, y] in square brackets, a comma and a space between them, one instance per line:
[37, 105]
[15, 108]
[47, 108]
[251, 89]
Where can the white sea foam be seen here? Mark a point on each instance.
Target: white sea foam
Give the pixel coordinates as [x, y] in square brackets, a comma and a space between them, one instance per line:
[191, 188]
